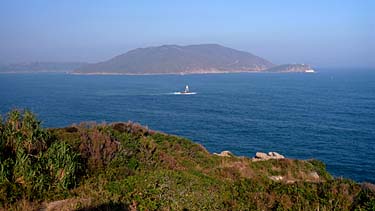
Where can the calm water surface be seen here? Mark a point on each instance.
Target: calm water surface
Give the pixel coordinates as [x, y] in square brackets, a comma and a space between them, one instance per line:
[328, 116]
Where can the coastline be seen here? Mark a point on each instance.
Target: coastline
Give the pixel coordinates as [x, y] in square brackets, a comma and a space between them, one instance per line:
[179, 73]
[171, 73]
[160, 73]
[33, 72]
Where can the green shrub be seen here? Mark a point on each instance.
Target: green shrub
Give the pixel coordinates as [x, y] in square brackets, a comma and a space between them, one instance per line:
[62, 164]
[33, 163]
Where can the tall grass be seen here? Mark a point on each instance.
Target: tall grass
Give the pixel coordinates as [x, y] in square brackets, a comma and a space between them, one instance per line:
[32, 162]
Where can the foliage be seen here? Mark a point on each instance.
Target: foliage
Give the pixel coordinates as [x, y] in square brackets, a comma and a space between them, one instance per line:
[33, 163]
[124, 166]
[96, 146]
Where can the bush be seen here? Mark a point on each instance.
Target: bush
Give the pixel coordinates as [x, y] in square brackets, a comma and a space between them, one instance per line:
[97, 146]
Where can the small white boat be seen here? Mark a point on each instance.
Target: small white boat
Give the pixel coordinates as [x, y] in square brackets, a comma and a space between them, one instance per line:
[310, 71]
[185, 92]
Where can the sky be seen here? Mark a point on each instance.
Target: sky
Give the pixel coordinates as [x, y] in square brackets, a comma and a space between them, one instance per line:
[324, 33]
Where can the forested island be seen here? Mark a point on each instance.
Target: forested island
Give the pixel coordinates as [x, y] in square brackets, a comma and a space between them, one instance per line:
[190, 59]
[125, 166]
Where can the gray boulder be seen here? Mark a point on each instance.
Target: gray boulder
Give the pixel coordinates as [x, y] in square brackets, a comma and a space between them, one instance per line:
[260, 156]
[224, 154]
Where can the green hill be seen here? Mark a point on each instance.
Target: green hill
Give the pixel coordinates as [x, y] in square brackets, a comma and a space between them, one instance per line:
[124, 166]
[173, 59]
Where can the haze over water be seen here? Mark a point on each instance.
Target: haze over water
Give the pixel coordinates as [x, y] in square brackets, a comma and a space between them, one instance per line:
[329, 116]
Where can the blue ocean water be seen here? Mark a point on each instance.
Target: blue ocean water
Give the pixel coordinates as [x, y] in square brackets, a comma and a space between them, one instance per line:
[329, 115]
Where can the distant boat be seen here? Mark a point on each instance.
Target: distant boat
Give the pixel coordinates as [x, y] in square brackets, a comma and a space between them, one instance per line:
[185, 92]
[310, 71]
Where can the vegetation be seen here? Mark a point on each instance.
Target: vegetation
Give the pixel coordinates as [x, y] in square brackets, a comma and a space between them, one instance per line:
[124, 166]
[176, 59]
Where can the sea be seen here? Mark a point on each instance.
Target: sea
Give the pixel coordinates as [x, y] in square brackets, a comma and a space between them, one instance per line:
[328, 115]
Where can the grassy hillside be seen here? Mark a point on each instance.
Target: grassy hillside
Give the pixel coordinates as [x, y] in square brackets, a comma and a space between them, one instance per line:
[124, 166]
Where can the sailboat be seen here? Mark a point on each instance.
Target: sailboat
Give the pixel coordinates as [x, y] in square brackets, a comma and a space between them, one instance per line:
[186, 89]
[185, 92]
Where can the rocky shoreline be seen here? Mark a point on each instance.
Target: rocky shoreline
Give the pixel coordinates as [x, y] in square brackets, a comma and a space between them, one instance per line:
[259, 156]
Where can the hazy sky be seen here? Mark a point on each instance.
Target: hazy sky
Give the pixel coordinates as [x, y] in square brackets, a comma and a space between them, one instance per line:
[319, 32]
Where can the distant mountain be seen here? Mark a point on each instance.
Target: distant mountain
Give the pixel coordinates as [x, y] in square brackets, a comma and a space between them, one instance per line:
[204, 58]
[290, 68]
[41, 67]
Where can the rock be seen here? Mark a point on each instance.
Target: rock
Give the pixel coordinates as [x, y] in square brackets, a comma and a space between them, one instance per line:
[314, 175]
[276, 155]
[276, 178]
[224, 154]
[262, 155]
